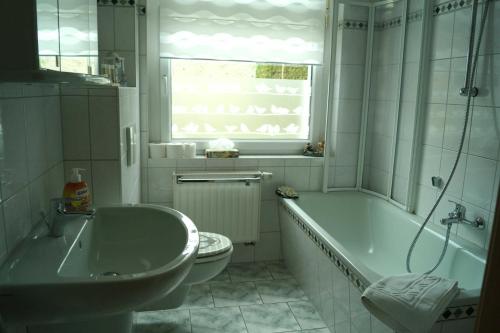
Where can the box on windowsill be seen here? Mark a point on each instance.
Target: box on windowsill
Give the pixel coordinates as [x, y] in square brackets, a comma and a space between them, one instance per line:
[222, 153]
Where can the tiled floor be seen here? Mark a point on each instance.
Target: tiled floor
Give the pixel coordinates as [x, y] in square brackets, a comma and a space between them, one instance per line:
[245, 298]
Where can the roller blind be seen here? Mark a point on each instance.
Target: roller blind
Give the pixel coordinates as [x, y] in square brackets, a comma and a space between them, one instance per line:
[280, 31]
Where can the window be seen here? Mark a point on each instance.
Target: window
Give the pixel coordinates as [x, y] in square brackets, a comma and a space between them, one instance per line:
[239, 100]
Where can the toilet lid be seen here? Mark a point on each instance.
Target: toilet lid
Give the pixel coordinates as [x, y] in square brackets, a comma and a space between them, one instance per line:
[212, 244]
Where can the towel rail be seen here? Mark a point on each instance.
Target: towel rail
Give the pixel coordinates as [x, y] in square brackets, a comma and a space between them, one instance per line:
[220, 178]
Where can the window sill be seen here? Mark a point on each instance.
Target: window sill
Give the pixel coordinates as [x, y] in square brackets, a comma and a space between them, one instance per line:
[244, 161]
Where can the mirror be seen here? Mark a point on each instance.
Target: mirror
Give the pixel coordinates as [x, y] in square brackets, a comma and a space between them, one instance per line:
[67, 35]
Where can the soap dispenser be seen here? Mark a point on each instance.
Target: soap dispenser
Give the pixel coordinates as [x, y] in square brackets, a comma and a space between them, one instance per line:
[76, 193]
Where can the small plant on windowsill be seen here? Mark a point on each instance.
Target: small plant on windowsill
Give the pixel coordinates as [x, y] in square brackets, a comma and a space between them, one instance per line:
[314, 151]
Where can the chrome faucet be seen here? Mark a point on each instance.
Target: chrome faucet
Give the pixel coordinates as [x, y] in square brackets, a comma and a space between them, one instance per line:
[458, 216]
[58, 217]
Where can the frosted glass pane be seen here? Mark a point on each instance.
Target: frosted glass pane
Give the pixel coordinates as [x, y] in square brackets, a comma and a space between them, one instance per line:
[48, 27]
[383, 101]
[213, 99]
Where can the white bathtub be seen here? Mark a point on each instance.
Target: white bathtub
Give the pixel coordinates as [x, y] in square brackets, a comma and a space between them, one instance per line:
[364, 238]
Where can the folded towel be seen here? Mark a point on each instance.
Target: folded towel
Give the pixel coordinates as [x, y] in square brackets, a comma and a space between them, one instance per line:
[409, 302]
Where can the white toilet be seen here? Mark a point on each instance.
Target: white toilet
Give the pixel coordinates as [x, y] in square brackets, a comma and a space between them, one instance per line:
[214, 254]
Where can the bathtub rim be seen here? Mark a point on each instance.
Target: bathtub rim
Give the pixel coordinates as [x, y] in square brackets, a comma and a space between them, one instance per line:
[466, 297]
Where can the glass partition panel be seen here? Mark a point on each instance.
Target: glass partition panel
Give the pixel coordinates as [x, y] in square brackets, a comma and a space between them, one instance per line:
[384, 98]
[347, 106]
[408, 104]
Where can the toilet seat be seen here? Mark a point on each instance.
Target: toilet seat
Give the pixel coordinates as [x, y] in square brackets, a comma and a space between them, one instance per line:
[213, 247]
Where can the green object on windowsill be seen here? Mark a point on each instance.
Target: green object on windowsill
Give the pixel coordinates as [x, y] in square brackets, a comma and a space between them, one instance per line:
[287, 192]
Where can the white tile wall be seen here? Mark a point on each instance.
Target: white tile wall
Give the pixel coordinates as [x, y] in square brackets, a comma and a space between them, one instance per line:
[31, 169]
[474, 184]
[94, 121]
[303, 173]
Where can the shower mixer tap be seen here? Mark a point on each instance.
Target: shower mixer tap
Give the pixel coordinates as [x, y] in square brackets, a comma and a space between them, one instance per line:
[458, 216]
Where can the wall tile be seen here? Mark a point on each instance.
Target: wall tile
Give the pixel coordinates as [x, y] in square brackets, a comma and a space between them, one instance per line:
[270, 185]
[478, 185]
[437, 88]
[124, 28]
[53, 129]
[442, 36]
[106, 186]
[434, 124]
[17, 218]
[448, 158]
[345, 176]
[488, 81]
[269, 220]
[429, 167]
[104, 128]
[36, 137]
[297, 177]
[243, 253]
[426, 196]
[461, 32]
[346, 149]
[475, 235]
[14, 171]
[485, 132]
[268, 247]
[106, 23]
[316, 179]
[75, 125]
[3, 238]
[453, 128]
[457, 81]
[160, 184]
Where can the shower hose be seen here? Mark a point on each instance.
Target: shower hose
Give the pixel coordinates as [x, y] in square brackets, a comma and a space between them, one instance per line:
[469, 86]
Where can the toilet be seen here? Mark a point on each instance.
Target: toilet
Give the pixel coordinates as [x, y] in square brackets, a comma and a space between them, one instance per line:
[214, 253]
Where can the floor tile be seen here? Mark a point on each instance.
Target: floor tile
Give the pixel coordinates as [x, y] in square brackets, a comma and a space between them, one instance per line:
[269, 318]
[278, 270]
[200, 296]
[306, 315]
[275, 291]
[248, 272]
[217, 320]
[222, 277]
[167, 321]
[235, 293]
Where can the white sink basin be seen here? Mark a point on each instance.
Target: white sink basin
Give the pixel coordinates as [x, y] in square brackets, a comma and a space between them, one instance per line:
[122, 258]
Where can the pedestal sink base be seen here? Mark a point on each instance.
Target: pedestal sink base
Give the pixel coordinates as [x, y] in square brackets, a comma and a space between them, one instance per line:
[121, 323]
[174, 300]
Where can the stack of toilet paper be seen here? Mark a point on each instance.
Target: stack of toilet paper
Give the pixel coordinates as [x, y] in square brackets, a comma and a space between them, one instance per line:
[172, 150]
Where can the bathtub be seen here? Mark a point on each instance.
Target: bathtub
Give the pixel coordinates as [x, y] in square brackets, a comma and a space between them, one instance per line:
[336, 244]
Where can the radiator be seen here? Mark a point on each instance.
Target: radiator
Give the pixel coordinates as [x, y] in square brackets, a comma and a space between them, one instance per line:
[227, 203]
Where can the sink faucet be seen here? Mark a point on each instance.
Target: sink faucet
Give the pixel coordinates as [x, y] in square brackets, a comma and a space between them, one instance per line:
[59, 216]
[458, 216]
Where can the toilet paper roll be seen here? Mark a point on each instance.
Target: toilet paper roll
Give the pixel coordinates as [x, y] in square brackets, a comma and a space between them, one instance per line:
[157, 150]
[175, 150]
[189, 150]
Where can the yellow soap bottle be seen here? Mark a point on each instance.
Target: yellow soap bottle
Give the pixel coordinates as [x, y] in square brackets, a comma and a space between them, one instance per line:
[76, 193]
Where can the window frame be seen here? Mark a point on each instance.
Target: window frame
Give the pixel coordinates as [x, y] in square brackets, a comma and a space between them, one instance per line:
[251, 147]
[159, 122]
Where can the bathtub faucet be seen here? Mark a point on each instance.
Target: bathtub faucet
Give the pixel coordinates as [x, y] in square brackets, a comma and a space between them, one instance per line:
[458, 216]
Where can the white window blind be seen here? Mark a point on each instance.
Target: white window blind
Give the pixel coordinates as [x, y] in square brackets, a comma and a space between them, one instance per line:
[280, 31]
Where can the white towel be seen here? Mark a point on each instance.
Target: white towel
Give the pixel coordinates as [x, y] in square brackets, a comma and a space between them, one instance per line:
[409, 302]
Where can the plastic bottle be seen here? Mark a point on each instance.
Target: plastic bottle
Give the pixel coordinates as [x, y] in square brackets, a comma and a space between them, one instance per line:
[76, 194]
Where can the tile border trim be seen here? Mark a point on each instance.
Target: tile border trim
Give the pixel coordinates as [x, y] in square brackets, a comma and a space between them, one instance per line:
[450, 6]
[330, 253]
[451, 313]
[117, 3]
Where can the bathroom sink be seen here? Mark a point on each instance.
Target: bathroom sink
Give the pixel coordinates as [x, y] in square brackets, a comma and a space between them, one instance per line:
[109, 264]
